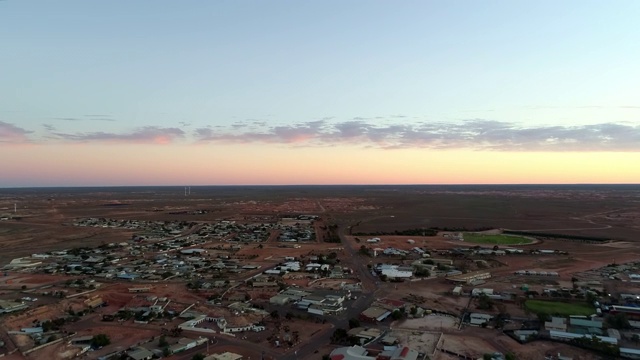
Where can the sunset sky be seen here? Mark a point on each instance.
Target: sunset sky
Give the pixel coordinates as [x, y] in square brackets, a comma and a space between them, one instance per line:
[154, 92]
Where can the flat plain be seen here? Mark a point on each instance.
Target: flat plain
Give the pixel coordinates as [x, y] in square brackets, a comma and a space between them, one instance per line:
[582, 210]
[39, 221]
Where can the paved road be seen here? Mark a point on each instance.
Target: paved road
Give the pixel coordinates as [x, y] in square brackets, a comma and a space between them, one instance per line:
[306, 349]
[369, 286]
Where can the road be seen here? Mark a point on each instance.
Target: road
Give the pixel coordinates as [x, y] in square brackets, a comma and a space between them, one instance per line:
[369, 286]
[304, 350]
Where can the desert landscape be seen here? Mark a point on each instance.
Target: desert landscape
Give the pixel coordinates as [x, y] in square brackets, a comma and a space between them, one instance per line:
[293, 272]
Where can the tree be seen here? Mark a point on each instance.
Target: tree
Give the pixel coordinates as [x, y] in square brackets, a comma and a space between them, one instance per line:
[198, 356]
[618, 321]
[100, 340]
[176, 331]
[339, 335]
[166, 352]
[635, 338]
[354, 323]
[364, 250]
[162, 341]
[422, 272]
[510, 356]
[274, 314]
[485, 302]
[542, 317]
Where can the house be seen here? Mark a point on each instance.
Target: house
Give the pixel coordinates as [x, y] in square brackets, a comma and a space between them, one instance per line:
[224, 356]
[478, 291]
[477, 319]
[82, 340]
[400, 353]
[350, 353]
[630, 353]
[366, 334]
[279, 299]
[374, 314]
[556, 324]
[7, 306]
[359, 353]
[139, 353]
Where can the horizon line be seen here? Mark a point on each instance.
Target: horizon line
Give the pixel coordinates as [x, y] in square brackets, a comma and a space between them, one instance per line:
[311, 185]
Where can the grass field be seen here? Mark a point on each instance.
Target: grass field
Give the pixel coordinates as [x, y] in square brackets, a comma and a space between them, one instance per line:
[495, 239]
[558, 308]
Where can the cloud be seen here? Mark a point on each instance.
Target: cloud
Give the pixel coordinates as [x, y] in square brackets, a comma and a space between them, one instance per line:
[144, 135]
[10, 133]
[477, 134]
[86, 118]
[286, 134]
[49, 127]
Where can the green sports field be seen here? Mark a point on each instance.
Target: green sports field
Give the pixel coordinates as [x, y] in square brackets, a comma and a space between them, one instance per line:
[495, 239]
[558, 308]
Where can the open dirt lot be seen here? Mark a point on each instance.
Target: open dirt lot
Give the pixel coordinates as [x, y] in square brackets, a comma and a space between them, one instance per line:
[424, 342]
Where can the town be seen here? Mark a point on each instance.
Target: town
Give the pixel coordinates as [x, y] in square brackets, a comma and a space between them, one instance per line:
[308, 286]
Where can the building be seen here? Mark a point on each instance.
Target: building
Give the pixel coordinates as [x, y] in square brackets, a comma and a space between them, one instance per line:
[365, 334]
[630, 353]
[350, 353]
[556, 324]
[11, 306]
[469, 277]
[279, 299]
[630, 311]
[477, 319]
[82, 340]
[577, 325]
[566, 336]
[139, 353]
[359, 353]
[224, 356]
[401, 353]
[374, 314]
[477, 291]
[185, 344]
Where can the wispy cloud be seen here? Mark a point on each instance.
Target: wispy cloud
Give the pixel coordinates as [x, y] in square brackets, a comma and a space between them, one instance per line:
[144, 135]
[245, 133]
[49, 127]
[86, 118]
[478, 134]
[10, 133]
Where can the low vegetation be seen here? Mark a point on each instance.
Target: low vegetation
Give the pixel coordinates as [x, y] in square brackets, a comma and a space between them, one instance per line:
[558, 236]
[495, 239]
[557, 308]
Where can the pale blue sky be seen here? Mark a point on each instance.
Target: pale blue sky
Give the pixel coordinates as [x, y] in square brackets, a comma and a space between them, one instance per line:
[214, 63]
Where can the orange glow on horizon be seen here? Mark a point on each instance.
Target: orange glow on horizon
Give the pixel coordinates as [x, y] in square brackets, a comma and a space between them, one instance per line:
[90, 164]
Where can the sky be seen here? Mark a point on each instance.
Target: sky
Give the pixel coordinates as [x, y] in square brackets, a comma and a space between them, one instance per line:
[155, 92]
